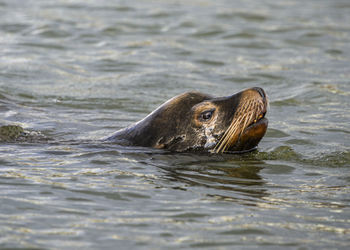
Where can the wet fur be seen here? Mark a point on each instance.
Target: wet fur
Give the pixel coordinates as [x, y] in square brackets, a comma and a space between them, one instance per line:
[176, 126]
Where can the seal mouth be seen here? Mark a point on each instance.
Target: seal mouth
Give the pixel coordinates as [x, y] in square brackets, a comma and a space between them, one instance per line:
[257, 121]
[251, 135]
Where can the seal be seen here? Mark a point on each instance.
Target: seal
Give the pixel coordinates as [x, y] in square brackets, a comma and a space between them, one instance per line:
[193, 121]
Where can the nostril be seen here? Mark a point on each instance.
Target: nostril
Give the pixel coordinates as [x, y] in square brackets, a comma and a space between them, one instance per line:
[260, 91]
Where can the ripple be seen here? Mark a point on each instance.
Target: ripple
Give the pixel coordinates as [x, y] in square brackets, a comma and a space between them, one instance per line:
[47, 45]
[286, 102]
[275, 133]
[246, 232]
[247, 16]
[241, 35]
[108, 65]
[132, 195]
[210, 62]
[189, 215]
[280, 153]
[109, 195]
[253, 45]
[52, 32]
[335, 160]
[79, 70]
[300, 142]
[14, 27]
[240, 79]
[208, 33]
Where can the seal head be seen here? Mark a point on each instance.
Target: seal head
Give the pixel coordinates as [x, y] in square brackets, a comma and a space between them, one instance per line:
[198, 122]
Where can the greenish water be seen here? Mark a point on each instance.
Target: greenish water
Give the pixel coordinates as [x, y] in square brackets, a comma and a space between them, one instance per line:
[77, 71]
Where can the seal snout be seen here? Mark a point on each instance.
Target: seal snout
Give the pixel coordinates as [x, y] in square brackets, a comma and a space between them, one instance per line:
[248, 124]
[256, 103]
[253, 133]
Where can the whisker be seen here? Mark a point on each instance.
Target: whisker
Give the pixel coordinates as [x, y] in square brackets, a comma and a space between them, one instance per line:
[244, 115]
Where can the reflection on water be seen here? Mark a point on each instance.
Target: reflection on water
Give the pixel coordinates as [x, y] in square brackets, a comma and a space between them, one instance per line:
[239, 180]
[76, 71]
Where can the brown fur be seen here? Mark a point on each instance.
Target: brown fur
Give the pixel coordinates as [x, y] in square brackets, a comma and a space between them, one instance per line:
[195, 121]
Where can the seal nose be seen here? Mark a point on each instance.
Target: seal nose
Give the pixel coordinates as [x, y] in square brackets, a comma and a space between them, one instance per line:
[260, 91]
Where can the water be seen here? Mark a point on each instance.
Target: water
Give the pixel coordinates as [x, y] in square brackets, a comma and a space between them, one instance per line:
[77, 71]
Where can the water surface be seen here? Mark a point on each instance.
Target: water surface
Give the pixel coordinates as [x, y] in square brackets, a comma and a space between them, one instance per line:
[79, 70]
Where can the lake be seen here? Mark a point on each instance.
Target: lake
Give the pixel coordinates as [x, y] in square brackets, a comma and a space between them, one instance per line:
[77, 71]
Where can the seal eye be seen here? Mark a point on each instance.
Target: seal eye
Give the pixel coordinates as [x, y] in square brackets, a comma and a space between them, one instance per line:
[206, 115]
